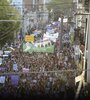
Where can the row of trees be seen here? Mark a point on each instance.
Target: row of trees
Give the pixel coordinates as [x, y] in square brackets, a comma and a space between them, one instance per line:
[7, 26]
[60, 7]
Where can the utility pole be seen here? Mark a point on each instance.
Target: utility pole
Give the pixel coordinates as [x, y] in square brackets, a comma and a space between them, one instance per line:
[60, 34]
[33, 4]
[23, 18]
[22, 24]
[38, 14]
[44, 4]
[59, 41]
[77, 16]
[88, 55]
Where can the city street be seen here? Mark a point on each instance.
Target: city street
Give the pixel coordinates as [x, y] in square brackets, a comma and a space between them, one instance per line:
[44, 49]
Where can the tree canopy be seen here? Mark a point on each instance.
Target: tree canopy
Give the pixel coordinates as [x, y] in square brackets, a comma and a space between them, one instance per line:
[7, 26]
[60, 6]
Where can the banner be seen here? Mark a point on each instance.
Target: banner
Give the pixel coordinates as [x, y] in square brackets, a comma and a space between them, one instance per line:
[15, 67]
[50, 36]
[1, 52]
[14, 80]
[29, 38]
[7, 52]
[36, 32]
[43, 43]
[1, 61]
[2, 69]
[76, 49]
[25, 70]
[50, 30]
[65, 38]
[2, 79]
[48, 49]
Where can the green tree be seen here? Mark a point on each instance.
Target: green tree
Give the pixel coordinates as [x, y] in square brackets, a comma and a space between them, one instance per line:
[60, 7]
[7, 26]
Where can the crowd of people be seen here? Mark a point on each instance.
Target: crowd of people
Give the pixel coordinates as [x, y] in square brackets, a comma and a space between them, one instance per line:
[40, 74]
[41, 61]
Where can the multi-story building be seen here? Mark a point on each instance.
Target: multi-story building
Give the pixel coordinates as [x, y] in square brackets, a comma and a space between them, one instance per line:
[34, 13]
[87, 9]
[84, 14]
[32, 5]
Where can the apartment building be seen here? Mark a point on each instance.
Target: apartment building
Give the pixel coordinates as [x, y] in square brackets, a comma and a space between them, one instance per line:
[34, 10]
[33, 5]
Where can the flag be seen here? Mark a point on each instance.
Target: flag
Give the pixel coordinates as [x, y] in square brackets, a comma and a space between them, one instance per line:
[14, 80]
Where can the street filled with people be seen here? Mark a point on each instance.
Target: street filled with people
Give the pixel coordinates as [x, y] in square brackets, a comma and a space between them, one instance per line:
[37, 73]
[40, 74]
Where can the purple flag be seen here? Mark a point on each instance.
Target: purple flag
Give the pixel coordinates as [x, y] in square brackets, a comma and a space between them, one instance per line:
[14, 80]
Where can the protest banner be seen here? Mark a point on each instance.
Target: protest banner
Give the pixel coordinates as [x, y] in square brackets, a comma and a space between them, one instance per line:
[2, 79]
[48, 49]
[7, 52]
[14, 80]
[2, 69]
[1, 61]
[65, 38]
[29, 38]
[25, 70]
[15, 67]
[1, 52]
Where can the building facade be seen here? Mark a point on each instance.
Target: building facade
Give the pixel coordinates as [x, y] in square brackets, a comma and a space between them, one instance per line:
[33, 5]
[35, 13]
[85, 22]
[87, 9]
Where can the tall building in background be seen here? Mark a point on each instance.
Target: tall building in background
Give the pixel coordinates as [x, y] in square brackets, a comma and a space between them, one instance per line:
[35, 13]
[33, 5]
[28, 4]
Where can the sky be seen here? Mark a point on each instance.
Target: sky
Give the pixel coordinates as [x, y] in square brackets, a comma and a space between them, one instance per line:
[18, 4]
